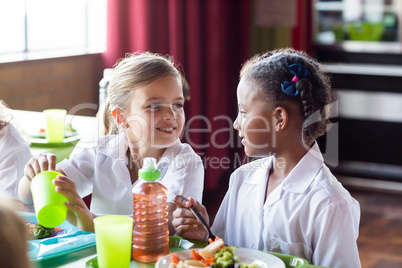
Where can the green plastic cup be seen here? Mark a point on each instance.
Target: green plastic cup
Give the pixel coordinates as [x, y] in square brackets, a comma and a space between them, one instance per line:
[55, 124]
[49, 205]
[113, 235]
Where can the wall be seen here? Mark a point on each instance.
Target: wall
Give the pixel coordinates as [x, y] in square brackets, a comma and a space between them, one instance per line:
[52, 83]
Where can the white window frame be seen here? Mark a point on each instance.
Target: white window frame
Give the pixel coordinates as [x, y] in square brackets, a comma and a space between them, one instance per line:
[87, 48]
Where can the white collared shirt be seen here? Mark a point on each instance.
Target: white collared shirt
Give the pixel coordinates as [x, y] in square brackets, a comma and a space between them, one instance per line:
[309, 214]
[99, 167]
[15, 154]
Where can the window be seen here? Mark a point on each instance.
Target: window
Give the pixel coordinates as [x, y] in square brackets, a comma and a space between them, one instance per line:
[29, 26]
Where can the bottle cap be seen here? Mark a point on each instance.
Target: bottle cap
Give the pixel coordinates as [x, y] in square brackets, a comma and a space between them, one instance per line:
[149, 172]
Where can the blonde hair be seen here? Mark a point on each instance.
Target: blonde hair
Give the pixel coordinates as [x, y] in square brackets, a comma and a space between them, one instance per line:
[130, 73]
[3, 114]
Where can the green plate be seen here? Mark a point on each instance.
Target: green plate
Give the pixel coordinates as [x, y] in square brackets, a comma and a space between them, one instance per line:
[39, 141]
[291, 261]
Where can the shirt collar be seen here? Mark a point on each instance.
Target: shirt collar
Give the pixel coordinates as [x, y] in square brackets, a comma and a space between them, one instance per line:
[108, 145]
[114, 146]
[263, 166]
[303, 174]
[169, 154]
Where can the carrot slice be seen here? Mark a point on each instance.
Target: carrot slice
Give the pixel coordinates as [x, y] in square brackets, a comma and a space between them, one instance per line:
[195, 255]
[210, 239]
[175, 258]
[58, 229]
[31, 227]
[209, 261]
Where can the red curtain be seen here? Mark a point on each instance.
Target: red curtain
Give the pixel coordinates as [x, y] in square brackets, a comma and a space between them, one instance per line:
[210, 40]
[302, 33]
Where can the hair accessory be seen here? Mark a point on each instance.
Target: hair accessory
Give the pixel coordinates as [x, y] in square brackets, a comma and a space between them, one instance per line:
[299, 72]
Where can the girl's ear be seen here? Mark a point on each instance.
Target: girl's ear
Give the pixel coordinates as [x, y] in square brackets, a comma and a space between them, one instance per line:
[280, 118]
[119, 117]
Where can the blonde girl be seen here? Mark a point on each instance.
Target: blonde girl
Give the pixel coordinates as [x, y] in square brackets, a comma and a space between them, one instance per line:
[143, 117]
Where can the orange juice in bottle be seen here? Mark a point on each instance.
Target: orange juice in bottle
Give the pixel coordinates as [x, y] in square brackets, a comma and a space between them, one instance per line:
[151, 231]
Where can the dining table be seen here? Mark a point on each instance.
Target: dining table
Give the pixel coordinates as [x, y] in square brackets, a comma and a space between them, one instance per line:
[87, 257]
[30, 123]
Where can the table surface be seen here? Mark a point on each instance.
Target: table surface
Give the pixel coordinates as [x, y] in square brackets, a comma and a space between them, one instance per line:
[80, 258]
[30, 122]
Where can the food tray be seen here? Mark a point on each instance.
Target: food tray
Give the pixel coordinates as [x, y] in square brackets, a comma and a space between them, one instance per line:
[71, 239]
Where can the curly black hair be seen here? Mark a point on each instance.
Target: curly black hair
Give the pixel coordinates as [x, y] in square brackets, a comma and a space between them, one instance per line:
[270, 69]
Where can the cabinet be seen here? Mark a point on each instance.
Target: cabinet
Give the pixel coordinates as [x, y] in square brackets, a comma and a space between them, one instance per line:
[359, 42]
[357, 20]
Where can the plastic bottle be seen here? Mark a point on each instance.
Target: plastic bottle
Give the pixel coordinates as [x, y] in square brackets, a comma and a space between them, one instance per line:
[151, 231]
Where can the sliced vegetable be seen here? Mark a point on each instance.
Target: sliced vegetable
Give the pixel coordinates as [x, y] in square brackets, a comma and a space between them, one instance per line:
[195, 255]
[70, 128]
[211, 249]
[214, 255]
[225, 258]
[175, 258]
[37, 231]
[193, 263]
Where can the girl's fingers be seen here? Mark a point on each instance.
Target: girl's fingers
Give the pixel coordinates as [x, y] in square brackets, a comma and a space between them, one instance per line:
[29, 172]
[199, 207]
[64, 179]
[34, 167]
[181, 229]
[72, 197]
[61, 171]
[77, 208]
[185, 221]
[180, 201]
[183, 213]
[39, 164]
[43, 162]
[65, 182]
[51, 161]
[196, 204]
[67, 188]
[191, 231]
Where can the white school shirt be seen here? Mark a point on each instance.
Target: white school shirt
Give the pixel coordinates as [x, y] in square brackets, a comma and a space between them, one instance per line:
[15, 154]
[99, 167]
[309, 214]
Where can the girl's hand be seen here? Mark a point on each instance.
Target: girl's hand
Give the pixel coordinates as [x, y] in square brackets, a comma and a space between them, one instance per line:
[185, 223]
[36, 165]
[78, 212]
[39, 164]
